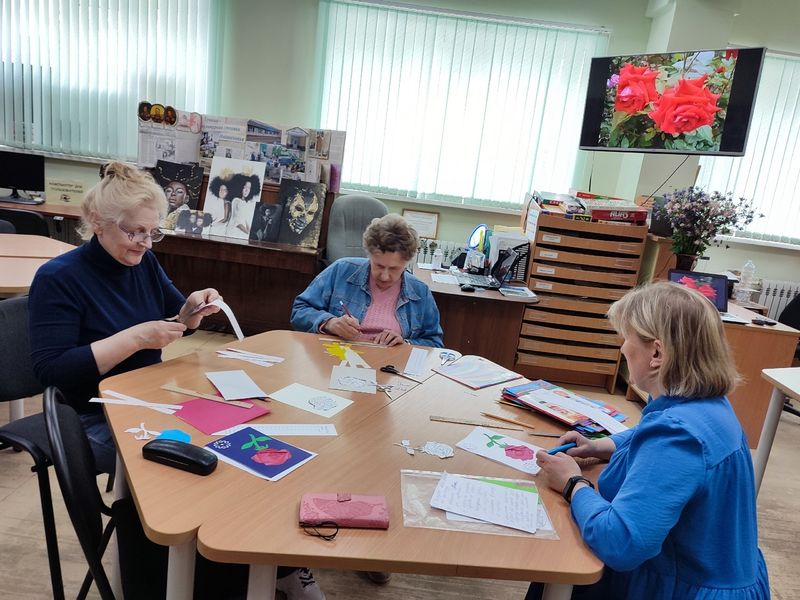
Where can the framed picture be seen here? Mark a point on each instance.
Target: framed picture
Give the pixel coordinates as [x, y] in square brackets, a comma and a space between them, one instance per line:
[425, 223]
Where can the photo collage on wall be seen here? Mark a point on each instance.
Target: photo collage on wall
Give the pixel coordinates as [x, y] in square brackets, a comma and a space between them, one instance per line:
[233, 193]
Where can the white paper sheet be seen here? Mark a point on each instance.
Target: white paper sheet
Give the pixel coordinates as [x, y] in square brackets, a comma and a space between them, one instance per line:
[444, 278]
[354, 359]
[307, 398]
[285, 429]
[229, 313]
[352, 379]
[488, 502]
[508, 451]
[235, 385]
[416, 362]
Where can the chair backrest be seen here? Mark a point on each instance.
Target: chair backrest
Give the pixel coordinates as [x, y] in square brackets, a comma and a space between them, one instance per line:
[790, 315]
[350, 216]
[7, 227]
[17, 380]
[74, 464]
[25, 222]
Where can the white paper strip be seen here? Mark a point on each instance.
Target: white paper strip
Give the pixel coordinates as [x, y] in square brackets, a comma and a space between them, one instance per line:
[285, 429]
[229, 313]
[416, 362]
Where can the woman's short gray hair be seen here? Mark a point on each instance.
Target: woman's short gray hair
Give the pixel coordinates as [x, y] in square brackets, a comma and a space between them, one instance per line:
[391, 233]
[122, 190]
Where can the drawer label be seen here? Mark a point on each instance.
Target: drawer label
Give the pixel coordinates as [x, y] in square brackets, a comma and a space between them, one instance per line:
[549, 237]
[543, 285]
[548, 254]
[545, 270]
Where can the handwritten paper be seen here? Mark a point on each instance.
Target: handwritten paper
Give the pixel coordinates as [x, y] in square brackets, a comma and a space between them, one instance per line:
[352, 379]
[307, 398]
[416, 362]
[235, 385]
[499, 448]
[286, 429]
[488, 502]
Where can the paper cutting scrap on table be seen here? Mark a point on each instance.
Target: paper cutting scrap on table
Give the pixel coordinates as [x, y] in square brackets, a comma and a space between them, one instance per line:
[439, 449]
[307, 398]
[142, 433]
[288, 429]
[117, 398]
[263, 360]
[208, 416]
[235, 385]
[229, 313]
[497, 447]
[259, 454]
[175, 434]
[353, 379]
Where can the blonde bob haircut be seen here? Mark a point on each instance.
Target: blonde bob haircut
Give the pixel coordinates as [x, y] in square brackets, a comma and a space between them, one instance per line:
[122, 191]
[697, 359]
[391, 233]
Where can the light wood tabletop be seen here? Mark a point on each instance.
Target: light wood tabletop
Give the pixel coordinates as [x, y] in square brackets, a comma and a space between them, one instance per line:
[16, 274]
[236, 517]
[31, 246]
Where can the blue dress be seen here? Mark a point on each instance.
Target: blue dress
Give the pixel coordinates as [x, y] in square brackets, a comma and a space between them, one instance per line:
[676, 513]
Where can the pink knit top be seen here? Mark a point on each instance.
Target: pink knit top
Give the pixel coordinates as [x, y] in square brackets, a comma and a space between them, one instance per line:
[382, 313]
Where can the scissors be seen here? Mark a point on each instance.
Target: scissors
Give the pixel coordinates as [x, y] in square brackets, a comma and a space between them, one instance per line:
[394, 371]
[447, 357]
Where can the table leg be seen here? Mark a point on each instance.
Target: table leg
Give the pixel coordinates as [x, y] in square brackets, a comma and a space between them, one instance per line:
[768, 430]
[557, 591]
[16, 409]
[261, 582]
[180, 575]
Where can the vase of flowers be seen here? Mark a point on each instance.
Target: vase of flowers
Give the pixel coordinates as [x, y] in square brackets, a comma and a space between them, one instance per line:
[697, 217]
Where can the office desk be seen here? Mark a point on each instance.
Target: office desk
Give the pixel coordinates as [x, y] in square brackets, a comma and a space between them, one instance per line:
[16, 274]
[483, 322]
[235, 517]
[785, 382]
[31, 246]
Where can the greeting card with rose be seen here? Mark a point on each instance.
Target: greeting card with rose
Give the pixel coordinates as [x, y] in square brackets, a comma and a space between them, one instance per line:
[697, 102]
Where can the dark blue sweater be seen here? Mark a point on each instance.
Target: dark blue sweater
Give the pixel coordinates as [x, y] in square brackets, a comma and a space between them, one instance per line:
[84, 296]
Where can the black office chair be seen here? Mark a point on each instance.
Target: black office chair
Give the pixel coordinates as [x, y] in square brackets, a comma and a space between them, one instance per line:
[790, 316]
[7, 227]
[25, 222]
[27, 433]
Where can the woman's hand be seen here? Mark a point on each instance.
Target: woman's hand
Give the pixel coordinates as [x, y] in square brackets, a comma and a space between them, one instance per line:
[196, 299]
[388, 338]
[347, 328]
[153, 335]
[586, 448]
[557, 469]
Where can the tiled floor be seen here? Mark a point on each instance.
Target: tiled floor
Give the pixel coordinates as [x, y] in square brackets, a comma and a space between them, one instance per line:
[23, 560]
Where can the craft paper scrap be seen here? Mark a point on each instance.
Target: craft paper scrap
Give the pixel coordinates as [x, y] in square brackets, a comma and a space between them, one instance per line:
[354, 359]
[253, 355]
[247, 359]
[142, 433]
[235, 385]
[497, 447]
[444, 278]
[488, 502]
[229, 313]
[285, 429]
[352, 379]
[259, 454]
[209, 416]
[416, 362]
[307, 398]
[582, 406]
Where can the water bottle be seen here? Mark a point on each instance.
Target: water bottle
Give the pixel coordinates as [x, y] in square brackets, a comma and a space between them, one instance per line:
[747, 281]
[436, 262]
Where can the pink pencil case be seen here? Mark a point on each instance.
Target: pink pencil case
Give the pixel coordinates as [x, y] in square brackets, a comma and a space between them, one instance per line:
[346, 510]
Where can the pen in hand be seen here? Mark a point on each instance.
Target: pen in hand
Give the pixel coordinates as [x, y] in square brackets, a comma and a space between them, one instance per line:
[562, 448]
[346, 311]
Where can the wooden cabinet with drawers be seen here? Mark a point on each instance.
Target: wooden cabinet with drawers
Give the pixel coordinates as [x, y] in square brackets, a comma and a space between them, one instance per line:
[578, 269]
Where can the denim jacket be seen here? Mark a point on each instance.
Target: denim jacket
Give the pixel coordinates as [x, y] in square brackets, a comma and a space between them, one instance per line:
[347, 280]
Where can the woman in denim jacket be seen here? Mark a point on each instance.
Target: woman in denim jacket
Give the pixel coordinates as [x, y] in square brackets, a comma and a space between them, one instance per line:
[373, 299]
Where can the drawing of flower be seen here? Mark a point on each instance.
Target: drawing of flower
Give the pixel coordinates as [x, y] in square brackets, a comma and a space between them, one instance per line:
[271, 456]
[518, 452]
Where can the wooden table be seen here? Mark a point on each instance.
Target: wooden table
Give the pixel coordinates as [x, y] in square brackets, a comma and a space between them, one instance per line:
[231, 516]
[16, 274]
[785, 382]
[31, 246]
[483, 322]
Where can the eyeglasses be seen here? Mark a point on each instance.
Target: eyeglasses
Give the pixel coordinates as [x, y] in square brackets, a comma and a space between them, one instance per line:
[140, 237]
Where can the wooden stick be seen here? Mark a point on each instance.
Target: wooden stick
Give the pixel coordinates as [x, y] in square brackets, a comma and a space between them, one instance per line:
[543, 434]
[507, 420]
[472, 422]
[180, 390]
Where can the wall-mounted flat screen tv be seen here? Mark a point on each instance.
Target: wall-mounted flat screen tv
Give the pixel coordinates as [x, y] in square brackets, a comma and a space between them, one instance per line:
[697, 102]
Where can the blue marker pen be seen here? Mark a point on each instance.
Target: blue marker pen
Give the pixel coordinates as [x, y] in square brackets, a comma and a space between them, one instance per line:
[562, 448]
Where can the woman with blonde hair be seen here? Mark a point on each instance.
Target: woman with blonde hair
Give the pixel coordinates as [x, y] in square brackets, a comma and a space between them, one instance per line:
[675, 514]
[107, 307]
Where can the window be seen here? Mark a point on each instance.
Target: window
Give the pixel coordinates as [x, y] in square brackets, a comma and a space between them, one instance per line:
[769, 171]
[73, 71]
[450, 107]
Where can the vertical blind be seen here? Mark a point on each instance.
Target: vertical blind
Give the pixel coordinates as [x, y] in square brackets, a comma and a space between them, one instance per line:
[450, 107]
[769, 171]
[73, 71]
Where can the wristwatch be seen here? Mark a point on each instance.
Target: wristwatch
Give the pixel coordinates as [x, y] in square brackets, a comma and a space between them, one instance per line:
[571, 482]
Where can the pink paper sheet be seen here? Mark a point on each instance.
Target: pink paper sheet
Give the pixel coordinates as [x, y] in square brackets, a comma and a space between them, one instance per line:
[209, 416]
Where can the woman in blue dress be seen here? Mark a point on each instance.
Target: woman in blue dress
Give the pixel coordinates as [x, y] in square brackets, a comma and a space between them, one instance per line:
[675, 512]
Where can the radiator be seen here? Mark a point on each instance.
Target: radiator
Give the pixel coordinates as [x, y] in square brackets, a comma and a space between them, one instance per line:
[775, 295]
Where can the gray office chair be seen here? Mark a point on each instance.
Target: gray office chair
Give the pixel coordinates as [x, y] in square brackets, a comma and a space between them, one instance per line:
[25, 222]
[27, 433]
[7, 227]
[350, 216]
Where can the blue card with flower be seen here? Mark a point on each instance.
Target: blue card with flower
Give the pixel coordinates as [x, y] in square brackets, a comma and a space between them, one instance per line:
[259, 454]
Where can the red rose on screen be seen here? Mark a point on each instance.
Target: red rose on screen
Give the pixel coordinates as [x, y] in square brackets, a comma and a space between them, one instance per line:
[685, 107]
[636, 87]
[519, 452]
[272, 456]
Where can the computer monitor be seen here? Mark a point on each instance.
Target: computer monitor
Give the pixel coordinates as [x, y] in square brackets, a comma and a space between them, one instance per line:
[712, 286]
[20, 171]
